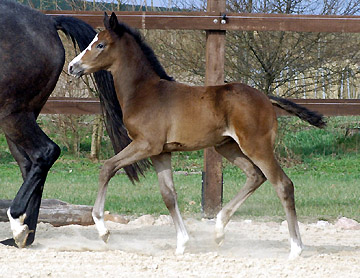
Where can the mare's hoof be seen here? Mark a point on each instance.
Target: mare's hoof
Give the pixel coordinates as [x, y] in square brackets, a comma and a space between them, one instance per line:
[21, 236]
[105, 237]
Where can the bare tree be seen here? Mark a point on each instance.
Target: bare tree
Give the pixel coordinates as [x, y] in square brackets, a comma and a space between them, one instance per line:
[182, 53]
[294, 62]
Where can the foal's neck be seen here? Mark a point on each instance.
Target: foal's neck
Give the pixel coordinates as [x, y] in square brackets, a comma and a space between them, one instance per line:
[132, 71]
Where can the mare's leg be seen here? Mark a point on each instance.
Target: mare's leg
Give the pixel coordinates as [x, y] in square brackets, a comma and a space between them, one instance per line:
[162, 164]
[31, 142]
[20, 156]
[135, 151]
[24, 163]
[260, 151]
[255, 178]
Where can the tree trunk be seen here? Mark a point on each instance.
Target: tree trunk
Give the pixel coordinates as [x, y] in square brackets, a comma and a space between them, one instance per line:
[56, 212]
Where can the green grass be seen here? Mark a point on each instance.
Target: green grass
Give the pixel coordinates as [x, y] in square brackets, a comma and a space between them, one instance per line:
[323, 164]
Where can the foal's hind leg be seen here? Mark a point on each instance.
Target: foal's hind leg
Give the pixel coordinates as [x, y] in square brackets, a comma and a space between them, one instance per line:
[29, 139]
[162, 164]
[260, 151]
[255, 178]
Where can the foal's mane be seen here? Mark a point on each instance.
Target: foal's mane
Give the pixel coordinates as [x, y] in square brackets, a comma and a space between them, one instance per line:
[146, 49]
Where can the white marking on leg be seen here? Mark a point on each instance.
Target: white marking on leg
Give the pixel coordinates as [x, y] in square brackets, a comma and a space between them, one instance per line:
[181, 233]
[78, 58]
[16, 224]
[182, 239]
[101, 228]
[296, 249]
[219, 229]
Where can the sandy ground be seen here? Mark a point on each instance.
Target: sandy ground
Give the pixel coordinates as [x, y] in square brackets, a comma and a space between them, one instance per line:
[145, 248]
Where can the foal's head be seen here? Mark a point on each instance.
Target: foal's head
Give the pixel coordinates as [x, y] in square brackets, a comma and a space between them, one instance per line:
[106, 48]
[100, 54]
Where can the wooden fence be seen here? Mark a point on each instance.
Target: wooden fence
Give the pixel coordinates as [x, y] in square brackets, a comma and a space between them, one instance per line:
[79, 106]
[233, 21]
[216, 22]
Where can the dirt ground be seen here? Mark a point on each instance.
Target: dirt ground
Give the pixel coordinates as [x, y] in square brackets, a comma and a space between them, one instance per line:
[145, 248]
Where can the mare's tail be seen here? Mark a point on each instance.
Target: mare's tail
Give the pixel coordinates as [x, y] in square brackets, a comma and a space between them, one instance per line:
[82, 33]
[303, 113]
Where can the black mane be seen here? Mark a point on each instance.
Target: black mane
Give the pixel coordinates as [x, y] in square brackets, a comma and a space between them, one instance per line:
[146, 49]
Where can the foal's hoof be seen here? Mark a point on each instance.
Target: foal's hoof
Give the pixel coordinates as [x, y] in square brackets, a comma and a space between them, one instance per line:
[219, 234]
[219, 229]
[219, 239]
[181, 244]
[105, 236]
[180, 250]
[296, 250]
[21, 236]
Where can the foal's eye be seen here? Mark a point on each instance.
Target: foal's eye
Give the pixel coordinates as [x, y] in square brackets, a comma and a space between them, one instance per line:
[100, 46]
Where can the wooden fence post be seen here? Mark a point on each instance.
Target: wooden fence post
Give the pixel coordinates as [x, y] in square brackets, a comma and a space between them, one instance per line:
[215, 60]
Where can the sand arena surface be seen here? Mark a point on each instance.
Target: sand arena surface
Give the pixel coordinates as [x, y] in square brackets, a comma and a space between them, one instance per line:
[145, 248]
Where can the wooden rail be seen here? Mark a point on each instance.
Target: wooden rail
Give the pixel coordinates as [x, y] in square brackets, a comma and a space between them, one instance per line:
[327, 107]
[234, 21]
[76, 106]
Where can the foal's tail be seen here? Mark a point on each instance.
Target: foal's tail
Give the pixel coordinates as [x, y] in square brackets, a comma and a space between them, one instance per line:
[303, 113]
[82, 34]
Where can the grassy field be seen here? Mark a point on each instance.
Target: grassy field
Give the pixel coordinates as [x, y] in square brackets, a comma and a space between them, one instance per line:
[323, 164]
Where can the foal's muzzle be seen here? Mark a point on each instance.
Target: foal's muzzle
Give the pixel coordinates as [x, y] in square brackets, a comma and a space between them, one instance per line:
[76, 70]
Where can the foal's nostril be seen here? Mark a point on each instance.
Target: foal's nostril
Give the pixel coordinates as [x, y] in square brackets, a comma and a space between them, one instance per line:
[70, 69]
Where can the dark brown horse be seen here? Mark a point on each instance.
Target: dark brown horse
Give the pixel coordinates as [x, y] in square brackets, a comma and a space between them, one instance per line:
[163, 116]
[31, 60]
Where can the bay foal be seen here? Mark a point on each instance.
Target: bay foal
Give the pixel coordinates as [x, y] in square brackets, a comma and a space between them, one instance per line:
[163, 116]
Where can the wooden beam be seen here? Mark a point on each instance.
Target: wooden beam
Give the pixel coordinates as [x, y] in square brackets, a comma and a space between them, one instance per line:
[215, 61]
[234, 21]
[294, 23]
[150, 20]
[327, 107]
[74, 106]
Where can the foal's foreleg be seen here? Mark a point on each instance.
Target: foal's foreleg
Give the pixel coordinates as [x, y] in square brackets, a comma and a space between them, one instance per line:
[162, 164]
[255, 178]
[135, 151]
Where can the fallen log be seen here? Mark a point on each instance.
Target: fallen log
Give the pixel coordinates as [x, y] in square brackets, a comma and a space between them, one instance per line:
[56, 212]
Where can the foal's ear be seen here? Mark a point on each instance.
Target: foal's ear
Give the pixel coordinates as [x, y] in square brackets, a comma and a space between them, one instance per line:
[113, 22]
[106, 21]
